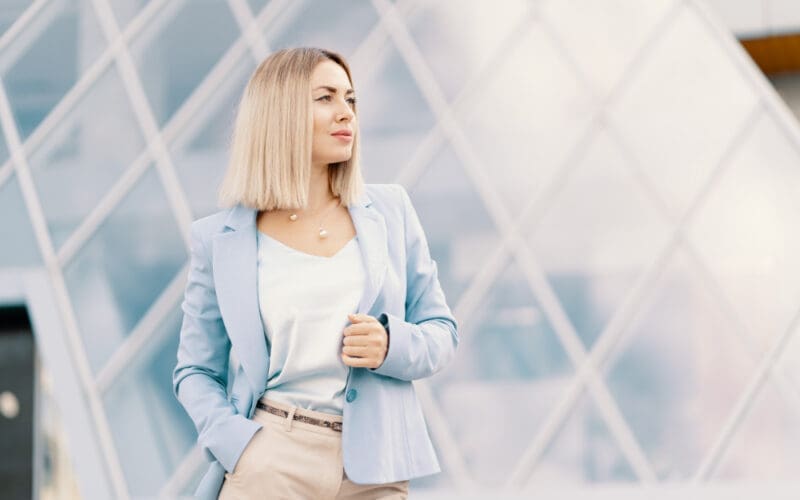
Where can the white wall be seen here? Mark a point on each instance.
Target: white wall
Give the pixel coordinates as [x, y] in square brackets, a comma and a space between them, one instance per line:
[753, 18]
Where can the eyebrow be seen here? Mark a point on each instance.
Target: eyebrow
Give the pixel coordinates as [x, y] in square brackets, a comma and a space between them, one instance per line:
[333, 89]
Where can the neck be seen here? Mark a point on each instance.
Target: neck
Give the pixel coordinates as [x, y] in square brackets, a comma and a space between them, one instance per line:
[319, 191]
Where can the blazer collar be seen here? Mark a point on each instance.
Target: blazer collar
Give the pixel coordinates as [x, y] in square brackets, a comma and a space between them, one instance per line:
[235, 266]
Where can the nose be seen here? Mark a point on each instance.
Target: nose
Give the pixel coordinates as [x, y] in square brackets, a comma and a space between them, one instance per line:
[345, 113]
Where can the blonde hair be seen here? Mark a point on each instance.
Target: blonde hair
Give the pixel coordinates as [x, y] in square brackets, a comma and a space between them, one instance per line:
[270, 157]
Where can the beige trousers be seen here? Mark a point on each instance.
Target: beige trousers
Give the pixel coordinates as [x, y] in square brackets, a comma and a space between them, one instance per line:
[290, 459]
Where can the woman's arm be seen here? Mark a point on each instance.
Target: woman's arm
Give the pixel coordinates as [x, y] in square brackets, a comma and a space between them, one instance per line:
[200, 377]
[426, 340]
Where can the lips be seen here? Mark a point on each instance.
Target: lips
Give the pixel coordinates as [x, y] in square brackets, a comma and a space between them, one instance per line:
[342, 133]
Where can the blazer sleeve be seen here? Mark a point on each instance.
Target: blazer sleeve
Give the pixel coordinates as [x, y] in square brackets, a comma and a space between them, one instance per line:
[199, 379]
[425, 341]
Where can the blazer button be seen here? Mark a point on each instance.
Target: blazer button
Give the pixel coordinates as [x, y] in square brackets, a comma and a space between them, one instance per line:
[352, 394]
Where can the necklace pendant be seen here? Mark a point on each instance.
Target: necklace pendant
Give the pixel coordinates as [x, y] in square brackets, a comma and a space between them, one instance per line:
[323, 233]
[293, 217]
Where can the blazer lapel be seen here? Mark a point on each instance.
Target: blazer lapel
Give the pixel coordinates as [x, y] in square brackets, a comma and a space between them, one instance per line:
[235, 278]
[371, 231]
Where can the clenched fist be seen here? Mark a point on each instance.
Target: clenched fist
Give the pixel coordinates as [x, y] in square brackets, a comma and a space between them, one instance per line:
[365, 342]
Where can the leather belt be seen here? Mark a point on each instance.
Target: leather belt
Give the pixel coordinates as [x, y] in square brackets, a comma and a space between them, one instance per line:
[336, 426]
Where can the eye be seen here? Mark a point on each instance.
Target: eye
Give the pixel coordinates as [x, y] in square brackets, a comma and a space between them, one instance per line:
[325, 97]
[352, 100]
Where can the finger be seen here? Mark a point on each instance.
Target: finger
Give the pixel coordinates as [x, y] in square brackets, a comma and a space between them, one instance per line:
[359, 351]
[355, 340]
[356, 362]
[373, 339]
[360, 318]
[358, 329]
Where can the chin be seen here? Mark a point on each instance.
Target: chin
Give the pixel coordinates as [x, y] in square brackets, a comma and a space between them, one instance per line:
[340, 158]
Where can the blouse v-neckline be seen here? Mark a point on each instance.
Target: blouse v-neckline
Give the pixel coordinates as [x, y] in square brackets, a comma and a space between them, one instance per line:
[279, 243]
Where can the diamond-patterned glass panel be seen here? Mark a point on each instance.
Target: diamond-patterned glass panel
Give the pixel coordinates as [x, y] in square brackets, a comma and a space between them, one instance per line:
[789, 366]
[526, 121]
[123, 268]
[510, 369]
[126, 10]
[256, 5]
[200, 153]
[70, 171]
[603, 41]
[766, 447]
[18, 245]
[393, 116]
[461, 37]
[583, 451]
[686, 78]
[151, 431]
[599, 233]
[672, 381]
[175, 53]
[340, 26]
[12, 10]
[4, 156]
[746, 232]
[444, 183]
[38, 69]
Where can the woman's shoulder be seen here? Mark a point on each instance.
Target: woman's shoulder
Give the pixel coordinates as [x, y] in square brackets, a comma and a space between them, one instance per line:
[388, 193]
[212, 224]
[386, 198]
[382, 189]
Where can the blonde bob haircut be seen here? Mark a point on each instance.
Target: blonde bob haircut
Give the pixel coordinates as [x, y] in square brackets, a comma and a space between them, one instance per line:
[270, 157]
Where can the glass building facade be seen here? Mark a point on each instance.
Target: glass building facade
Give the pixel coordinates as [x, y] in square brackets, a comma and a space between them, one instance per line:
[609, 188]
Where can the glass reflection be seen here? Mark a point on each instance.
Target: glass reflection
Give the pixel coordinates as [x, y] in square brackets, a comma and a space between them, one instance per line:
[604, 41]
[176, 53]
[18, 246]
[12, 9]
[766, 445]
[340, 26]
[60, 45]
[4, 156]
[151, 430]
[85, 155]
[583, 451]
[458, 38]
[672, 381]
[525, 122]
[256, 6]
[445, 184]
[662, 98]
[126, 11]
[123, 268]
[599, 233]
[200, 153]
[509, 372]
[393, 116]
[745, 233]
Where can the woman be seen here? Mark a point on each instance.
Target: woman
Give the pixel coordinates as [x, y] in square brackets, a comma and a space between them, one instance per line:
[324, 290]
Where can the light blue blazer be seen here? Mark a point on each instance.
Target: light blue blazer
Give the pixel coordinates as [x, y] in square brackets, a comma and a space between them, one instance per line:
[384, 436]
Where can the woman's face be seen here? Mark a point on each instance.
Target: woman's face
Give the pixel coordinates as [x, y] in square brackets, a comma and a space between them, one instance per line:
[334, 119]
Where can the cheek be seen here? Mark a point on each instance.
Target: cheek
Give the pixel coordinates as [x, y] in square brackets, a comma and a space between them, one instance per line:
[320, 128]
[318, 121]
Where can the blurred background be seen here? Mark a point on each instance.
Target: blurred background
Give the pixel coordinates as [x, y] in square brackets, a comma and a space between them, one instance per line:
[611, 190]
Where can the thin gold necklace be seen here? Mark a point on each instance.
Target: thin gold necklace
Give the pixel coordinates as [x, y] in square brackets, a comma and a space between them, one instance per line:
[323, 233]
